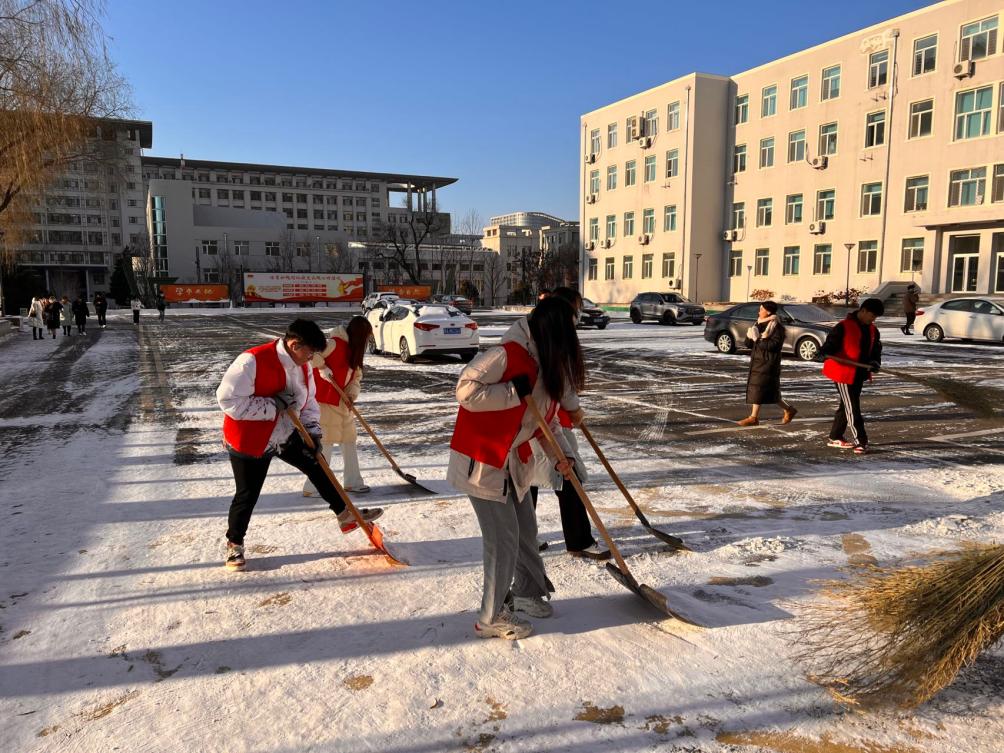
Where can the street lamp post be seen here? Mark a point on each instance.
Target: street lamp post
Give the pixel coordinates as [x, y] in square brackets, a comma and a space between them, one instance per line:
[749, 276]
[847, 278]
[697, 278]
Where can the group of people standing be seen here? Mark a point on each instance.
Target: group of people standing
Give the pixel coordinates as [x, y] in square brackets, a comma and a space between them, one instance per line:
[50, 313]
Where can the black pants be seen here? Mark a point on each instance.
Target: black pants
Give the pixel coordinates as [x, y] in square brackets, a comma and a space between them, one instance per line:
[66, 329]
[849, 414]
[575, 524]
[249, 475]
[135, 316]
[910, 319]
[101, 319]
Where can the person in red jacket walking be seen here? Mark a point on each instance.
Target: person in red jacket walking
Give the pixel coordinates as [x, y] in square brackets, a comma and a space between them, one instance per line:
[856, 339]
[255, 392]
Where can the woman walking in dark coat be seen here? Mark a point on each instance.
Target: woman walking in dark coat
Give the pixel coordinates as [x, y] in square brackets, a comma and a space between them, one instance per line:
[765, 339]
[52, 315]
[80, 314]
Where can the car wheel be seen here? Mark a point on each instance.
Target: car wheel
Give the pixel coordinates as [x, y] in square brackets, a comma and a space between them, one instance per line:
[934, 333]
[371, 347]
[807, 349]
[667, 318]
[406, 356]
[468, 356]
[601, 326]
[636, 316]
[725, 343]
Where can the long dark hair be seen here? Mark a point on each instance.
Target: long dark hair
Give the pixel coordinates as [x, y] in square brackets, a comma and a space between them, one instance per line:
[359, 330]
[552, 327]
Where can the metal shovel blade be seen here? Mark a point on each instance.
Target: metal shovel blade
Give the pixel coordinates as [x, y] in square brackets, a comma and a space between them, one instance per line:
[649, 594]
[375, 536]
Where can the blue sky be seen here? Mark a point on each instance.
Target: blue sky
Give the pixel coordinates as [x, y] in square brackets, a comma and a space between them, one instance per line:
[490, 93]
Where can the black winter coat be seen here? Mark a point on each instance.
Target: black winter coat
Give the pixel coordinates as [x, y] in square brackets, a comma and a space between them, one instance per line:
[763, 385]
[80, 312]
[100, 304]
[52, 314]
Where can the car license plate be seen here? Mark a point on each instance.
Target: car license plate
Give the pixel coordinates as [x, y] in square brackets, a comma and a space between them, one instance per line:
[451, 330]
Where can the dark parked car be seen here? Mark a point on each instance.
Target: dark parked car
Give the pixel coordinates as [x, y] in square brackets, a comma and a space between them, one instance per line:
[665, 308]
[593, 316]
[458, 302]
[806, 327]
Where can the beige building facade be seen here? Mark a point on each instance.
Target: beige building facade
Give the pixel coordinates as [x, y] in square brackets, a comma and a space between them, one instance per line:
[872, 159]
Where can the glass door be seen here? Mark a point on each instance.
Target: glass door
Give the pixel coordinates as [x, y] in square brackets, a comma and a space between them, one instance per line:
[965, 270]
[999, 283]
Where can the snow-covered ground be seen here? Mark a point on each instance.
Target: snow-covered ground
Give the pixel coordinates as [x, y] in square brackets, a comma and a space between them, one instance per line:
[120, 629]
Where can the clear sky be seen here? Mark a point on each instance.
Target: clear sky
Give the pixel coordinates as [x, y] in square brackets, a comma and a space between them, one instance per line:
[490, 93]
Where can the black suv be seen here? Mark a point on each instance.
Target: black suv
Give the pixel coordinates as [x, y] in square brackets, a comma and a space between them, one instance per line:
[665, 308]
[592, 315]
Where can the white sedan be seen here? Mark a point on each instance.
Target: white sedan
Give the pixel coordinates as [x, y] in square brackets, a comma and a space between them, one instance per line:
[420, 329]
[968, 318]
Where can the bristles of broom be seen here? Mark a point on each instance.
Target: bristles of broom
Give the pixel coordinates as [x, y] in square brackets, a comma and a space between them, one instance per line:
[897, 636]
[982, 400]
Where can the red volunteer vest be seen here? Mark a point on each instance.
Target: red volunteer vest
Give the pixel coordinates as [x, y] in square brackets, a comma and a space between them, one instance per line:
[251, 437]
[338, 362]
[487, 436]
[851, 350]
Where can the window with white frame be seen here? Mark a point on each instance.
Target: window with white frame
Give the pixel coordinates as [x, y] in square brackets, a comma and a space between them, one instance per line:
[271, 248]
[799, 92]
[790, 266]
[736, 263]
[761, 262]
[594, 141]
[242, 248]
[646, 266]
[672, 163]
[972, 113]
[768, 101]
[978, 39]
[911, 257]
[649, 168]
[608, 268]
[830, 87]
[648, 221]
[669, 218]
[627, 271]
[611, 226]
[739, 215]
[739, 159]
[592, 269]
[822, 259]
[867, 256]
[764, 212]
[594, 228]
[921, 118]
[767, 152]
[826, 204]
[630, 173]
[997, 186]
[875, 129]
[611, 177]
[916, 194]
[742, 108]
[925, 54]
[611, 138]
[793, 209]
[669, 264]
[628, 224]
[878, 68]
[652, 123]
[827, 139]
[673, 116]
[796, 146]
[967, 187]
[210, 248]
[1000, 109]
[871, 199]
[594, 181]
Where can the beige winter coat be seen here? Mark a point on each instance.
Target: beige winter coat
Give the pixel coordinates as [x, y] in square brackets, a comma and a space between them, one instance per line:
[337, 422]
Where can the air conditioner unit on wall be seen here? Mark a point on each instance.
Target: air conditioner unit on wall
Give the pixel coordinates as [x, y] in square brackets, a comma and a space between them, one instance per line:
[590, 158]
[820, 163]
[591, 198]
[964, 69]
[729, 235]
[675, 282]
[644, 141]
[644, 239]
[606, 243]
[590, 245]
[817, 228]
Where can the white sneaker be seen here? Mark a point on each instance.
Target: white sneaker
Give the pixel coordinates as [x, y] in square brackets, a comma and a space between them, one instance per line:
[348, 523]
[506, 625]
[535, 606]
[361, 489]
[594, 552]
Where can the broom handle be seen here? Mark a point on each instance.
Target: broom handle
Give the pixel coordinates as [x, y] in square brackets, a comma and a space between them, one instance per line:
[369, 431]
[606, 464]
[556, 449]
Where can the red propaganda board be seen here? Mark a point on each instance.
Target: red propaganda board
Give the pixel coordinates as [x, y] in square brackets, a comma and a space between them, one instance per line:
[196, 293]
[294, 287]
[414, 292]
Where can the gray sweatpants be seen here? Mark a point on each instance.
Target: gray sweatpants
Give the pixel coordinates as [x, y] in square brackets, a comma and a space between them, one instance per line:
[511, 558]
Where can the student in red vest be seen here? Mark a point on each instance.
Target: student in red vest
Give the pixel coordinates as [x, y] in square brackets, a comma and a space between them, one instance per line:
[856, 338]
[491, 457]
[255, 392]
[341, 362]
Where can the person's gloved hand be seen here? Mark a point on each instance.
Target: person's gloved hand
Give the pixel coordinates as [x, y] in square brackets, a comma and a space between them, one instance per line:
[521, 383]
[565, 467]
[874, 367]
[576, 416]
[316, 435]
[283, 400]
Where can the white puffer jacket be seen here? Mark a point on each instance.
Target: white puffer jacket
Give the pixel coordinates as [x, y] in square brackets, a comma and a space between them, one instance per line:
[337, 422]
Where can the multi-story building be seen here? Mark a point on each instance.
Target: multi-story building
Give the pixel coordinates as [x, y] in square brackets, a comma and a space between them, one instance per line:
[874, 158]
[533, 220]
[534, 252]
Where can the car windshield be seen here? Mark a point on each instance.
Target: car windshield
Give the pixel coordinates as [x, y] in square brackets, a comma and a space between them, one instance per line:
[437, 309]
[587, 304]
[674, 298]
[806, 312]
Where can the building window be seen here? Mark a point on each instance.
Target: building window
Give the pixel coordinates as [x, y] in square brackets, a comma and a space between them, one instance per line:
[611, 177]
[828, 139]
[867, 256]
[912, 257]
[611, 139]
[592, 269]
[767, 152]
[967, 187]
[594, 181]
[793, 209]
[921, 118]
[204, 193]
[735, 263]
[650, 168]
[739, 215]
[594, 228]
[972, 113]
[648, 221]
[821, 259]
[630, 173]
[628, 269]
[831, 83]
[646, 266]
[652, 123]
[916, 194]
[669, 218]
[875, 129]
[799, 92]
[739, 159]
[669, 264]
[826, 203]
[210, 248]
[608, 269]
[997, 187]
[594, 141]
[742, 108]
[925, 52]
[768, 101]
[672, 163]
[979, 39]
[796, 146]
[673, 116]
[791, 260]
[611, 226]
[878, 68]
[628, 224]
[761, 262]
[764, 212]
[1000, 110]
[871, 199]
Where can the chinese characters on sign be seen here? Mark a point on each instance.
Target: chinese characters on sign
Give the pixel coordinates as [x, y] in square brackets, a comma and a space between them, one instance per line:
[279, 287]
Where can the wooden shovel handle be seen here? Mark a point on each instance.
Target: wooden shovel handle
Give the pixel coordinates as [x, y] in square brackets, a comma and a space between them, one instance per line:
[366, 426]
[610, 470]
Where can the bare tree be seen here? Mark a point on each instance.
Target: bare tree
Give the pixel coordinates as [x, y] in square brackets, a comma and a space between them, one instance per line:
[286, 260]
[493, 278]
[404, 240]
[341, 259]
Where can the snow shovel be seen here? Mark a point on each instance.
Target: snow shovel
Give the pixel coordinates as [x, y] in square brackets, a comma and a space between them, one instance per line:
[373, 533]
[673, 541]
[393, 464]
[621, 573]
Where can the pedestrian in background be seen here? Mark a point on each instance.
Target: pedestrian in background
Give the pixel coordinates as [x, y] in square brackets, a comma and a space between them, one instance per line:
[910, 301]
[36, 318]
[101, 309]
[65, 315]
[136, 304]
[52, 315]
[80, 314]
[161, 305]
[765, 339]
